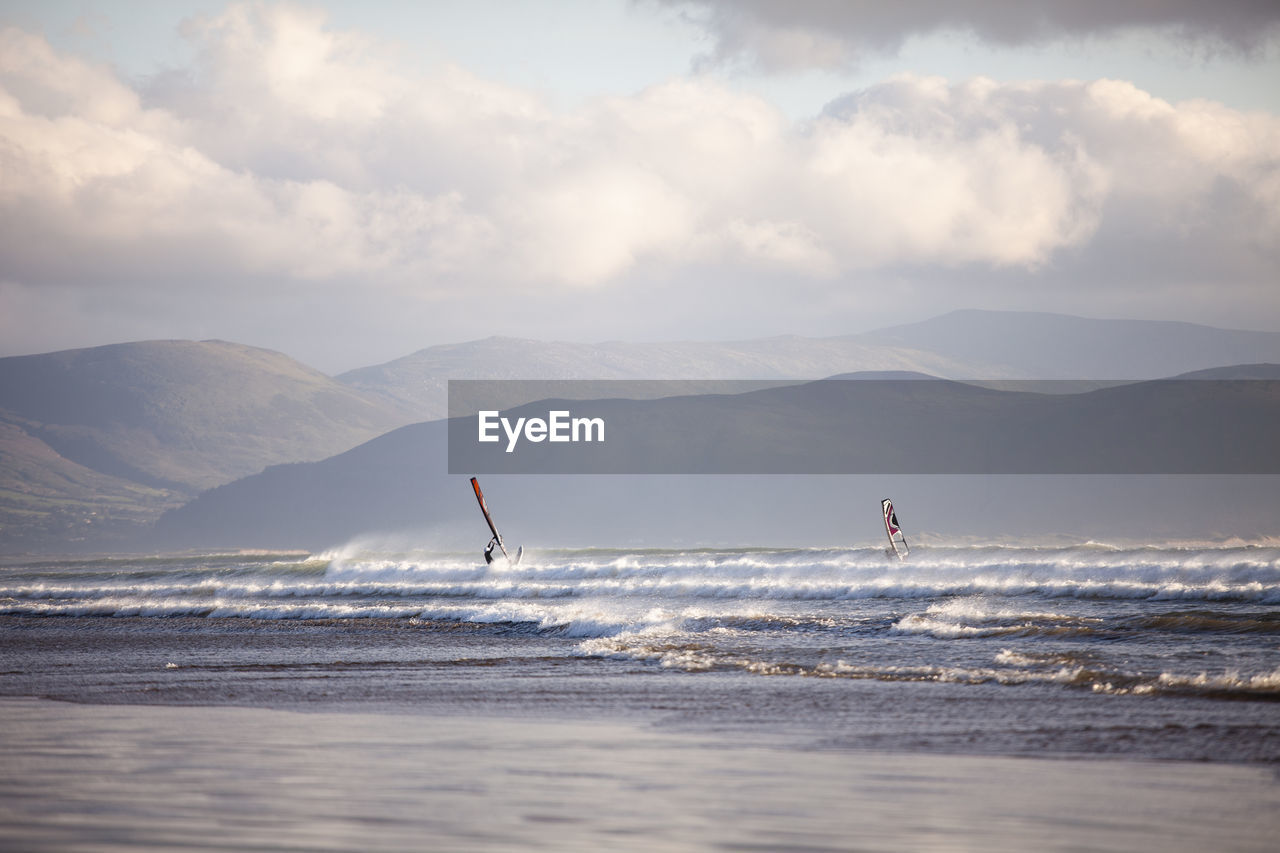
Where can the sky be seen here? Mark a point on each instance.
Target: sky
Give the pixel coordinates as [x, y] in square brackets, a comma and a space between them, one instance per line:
[348, 183]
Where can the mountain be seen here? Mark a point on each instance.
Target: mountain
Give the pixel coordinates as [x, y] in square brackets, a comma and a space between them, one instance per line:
[960, 345]
[96, 443]
[1055, 346]
[108, 436]
[1236, 371]
[1167, 458]
[419, 381]
[47, 501]
[390, 483]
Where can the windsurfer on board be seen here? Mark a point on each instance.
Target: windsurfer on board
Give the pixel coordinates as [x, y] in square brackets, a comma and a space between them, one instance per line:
[897, 542]
[496, 541]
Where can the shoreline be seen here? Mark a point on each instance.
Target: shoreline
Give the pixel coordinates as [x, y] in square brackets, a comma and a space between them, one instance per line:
[672, 721]
[115, 777]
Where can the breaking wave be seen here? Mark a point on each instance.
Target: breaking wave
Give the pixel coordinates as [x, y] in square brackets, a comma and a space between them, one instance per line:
[1052, 611]
[352, 582]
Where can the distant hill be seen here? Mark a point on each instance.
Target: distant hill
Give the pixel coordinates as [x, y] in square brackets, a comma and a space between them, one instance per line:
[111, 435]
[1031, 345]
[393, 482]
[960, 345]
[1238, 371]
[1194, 445]
[419, 381]
[49, 502]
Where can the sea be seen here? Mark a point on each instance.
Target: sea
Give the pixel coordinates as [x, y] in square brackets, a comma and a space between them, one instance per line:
[1077, 696]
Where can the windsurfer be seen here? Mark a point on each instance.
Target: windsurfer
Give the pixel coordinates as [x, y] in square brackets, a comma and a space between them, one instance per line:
[496, 541]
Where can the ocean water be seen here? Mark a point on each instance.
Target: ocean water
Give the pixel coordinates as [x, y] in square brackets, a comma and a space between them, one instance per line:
[804, 669]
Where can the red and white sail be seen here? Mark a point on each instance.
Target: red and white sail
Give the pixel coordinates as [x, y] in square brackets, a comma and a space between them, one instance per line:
[896, 540]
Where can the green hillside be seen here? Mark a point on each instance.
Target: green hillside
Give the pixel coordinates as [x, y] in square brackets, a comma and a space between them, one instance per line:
[111, 436]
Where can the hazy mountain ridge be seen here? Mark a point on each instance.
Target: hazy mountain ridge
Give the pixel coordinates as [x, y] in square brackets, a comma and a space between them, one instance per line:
[151, 424]
[190, 413]
[1013, 461]
[419, 381]
[390, 483]
[969, 344]
[1057, 346]
[113, 435]
[46, 498]
[1235, 371]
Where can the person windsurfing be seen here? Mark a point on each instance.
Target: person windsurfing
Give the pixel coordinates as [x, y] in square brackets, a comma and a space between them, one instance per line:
[897, 542]
[496, 541]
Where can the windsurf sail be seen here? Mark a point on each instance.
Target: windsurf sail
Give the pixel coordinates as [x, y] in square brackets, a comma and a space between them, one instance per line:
[496, 541]
[897, 542]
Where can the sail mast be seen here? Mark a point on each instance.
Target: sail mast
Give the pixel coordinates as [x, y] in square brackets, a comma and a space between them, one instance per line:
[497, 537]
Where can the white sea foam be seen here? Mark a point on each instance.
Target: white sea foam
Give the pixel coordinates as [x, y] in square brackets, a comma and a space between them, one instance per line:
[992, 615]
[1230, 680]
[1011, 670]
[358, 581]
[976, 617]
[827, 575]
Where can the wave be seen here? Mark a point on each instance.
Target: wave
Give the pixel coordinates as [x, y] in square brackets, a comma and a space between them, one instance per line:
[1009, 668]
[1093, 617]
[598, 591]
[1209, 621]
[1237, 573]
[975, 617]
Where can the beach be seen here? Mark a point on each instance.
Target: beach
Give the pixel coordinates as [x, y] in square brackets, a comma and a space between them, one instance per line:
[1083, 697]
[101, 778]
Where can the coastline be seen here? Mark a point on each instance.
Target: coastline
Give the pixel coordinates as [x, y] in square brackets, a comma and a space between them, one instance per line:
[119, 777]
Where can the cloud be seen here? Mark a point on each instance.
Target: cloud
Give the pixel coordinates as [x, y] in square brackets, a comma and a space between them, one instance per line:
[1034, 167]
[834, 33]
[301, 164]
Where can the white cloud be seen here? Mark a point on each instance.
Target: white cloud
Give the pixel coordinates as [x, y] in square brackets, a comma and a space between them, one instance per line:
[591, 225]
[789, 246]
[920, 172]
[287, 52]
[51, 85]
[296, 154]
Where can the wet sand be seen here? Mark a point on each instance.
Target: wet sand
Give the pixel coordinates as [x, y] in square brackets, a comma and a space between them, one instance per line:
[118, 777]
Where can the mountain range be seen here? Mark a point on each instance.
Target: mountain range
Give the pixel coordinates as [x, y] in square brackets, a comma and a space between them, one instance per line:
[97, 444]
[1174, 458]
[959, 345]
